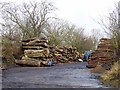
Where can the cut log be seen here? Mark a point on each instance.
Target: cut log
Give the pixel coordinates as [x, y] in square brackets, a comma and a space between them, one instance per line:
[105, 46]
[59, 50]
[44, 62]
[57, 55]
[37, 53]
[37, 41]
[104, 50]
[45, 45]
[28, 62]
[25, 57]
[33, 47]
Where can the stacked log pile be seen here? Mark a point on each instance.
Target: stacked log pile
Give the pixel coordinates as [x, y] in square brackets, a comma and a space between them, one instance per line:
[64, 54]
[37, 52]
[104, 55]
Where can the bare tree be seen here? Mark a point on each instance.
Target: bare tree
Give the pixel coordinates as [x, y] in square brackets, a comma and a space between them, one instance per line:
[29, 18]
[62, 33]
[111, 25]
[20, 22]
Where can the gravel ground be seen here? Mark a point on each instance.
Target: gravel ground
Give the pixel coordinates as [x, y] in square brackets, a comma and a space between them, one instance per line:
[74, 75]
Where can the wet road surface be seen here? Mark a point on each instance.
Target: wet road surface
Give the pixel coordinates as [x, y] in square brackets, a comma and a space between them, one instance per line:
[74, 75]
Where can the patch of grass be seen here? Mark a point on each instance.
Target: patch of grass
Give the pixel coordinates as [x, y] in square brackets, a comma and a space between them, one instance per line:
[112, 77]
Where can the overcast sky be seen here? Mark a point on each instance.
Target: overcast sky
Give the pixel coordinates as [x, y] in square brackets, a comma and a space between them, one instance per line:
[80, 12]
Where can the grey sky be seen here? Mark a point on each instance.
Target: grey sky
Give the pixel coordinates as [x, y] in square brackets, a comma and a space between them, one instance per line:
[80, 12]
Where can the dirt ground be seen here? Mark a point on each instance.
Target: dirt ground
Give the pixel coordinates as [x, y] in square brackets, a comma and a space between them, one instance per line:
[74, 75]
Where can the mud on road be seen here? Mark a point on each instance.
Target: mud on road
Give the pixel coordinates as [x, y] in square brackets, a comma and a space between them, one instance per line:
[74, 75]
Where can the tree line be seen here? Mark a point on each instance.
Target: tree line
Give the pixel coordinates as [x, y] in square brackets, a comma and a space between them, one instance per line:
[37, 19]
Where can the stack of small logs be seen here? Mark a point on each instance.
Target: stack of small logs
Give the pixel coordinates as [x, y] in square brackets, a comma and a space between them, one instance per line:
[104, 55]
[64, 54]
[37, 52]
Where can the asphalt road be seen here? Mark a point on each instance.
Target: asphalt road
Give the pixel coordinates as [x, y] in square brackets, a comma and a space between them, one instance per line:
[74, 75]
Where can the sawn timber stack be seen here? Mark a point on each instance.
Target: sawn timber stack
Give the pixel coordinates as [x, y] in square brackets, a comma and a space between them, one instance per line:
[104, 55]
[37, 52]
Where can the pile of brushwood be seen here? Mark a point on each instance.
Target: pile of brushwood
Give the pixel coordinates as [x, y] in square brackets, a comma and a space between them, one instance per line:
[37, 52]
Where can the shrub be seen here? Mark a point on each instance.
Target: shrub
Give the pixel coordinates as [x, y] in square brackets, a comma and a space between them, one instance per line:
[112, 77]
[10, 51]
